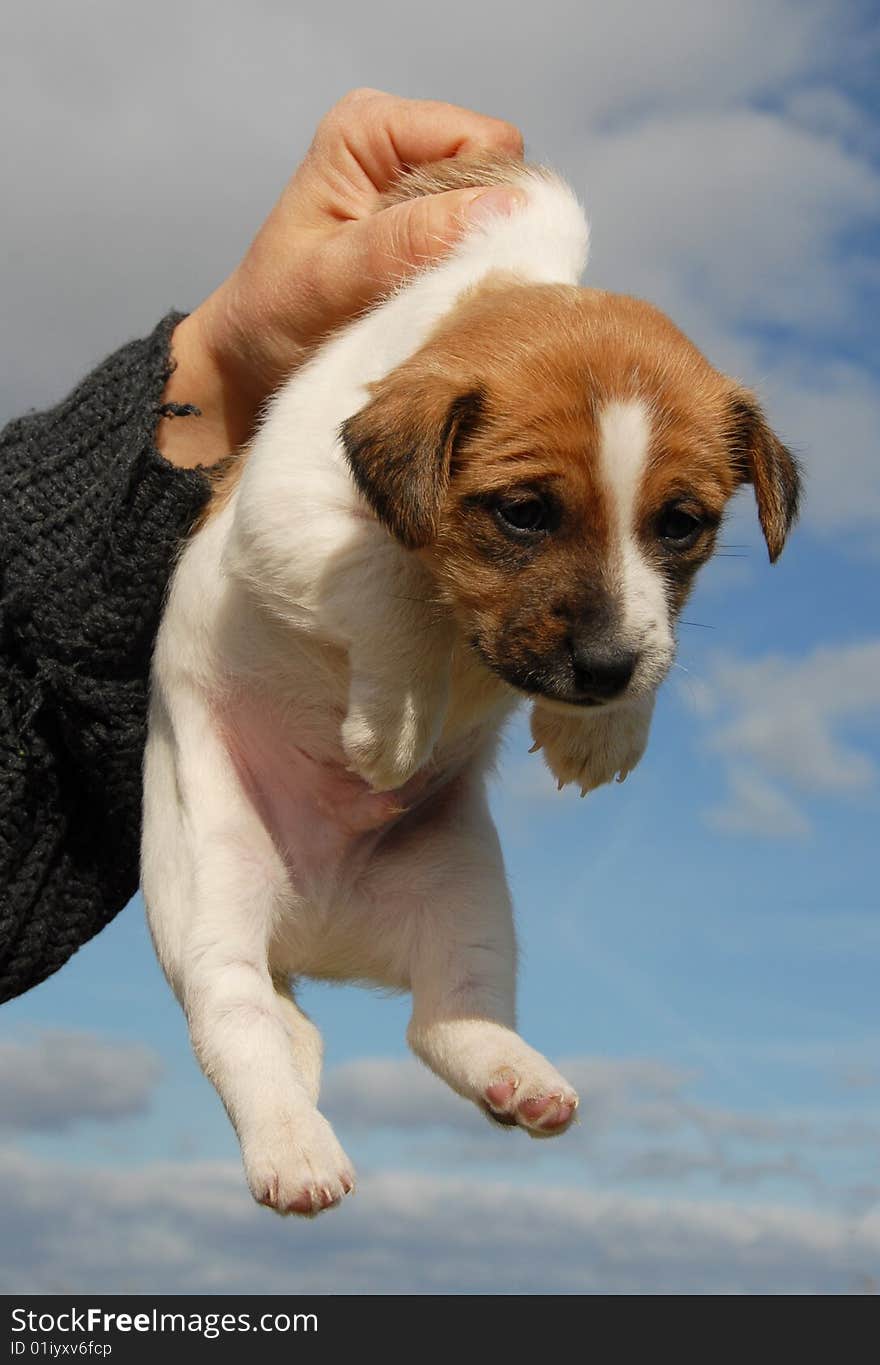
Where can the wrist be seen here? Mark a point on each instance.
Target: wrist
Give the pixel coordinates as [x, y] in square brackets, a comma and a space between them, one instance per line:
[203, 378]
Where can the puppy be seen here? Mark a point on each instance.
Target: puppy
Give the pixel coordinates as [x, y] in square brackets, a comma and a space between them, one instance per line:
[495, 486]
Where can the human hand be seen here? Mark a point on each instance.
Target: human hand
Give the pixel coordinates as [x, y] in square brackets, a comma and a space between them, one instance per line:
[326, 251]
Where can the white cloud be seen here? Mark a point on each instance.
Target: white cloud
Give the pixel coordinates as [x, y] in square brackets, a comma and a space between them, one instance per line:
[664, 120]
[832, 410]
[823, 109]
[745, 212]
[784, 719]
[786, 713]
[569, 1226]
[755, 806]
[673, 1164]
[725, 213]
[51, 1082]
[384, 1092]
[637, 1121]
[190, 1228]
[378, 1092]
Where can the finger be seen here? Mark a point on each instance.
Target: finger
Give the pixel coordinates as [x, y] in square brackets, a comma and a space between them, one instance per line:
[397, 241]
[384, 133]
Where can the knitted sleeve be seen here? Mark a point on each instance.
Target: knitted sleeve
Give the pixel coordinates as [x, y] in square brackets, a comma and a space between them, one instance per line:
[90, 518]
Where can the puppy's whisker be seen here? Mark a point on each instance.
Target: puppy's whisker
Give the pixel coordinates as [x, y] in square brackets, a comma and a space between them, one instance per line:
[701, 625]
[688, 682]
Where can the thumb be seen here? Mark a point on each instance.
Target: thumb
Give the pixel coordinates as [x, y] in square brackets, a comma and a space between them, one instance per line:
[407, 236]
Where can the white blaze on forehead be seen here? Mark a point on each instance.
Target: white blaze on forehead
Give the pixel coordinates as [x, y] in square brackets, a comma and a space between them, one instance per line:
[624, 448]
[624, 442]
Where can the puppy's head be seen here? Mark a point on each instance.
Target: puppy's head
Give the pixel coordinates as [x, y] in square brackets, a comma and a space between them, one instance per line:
[562, 457]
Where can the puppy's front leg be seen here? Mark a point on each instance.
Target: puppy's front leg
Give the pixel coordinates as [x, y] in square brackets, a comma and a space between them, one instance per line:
[463, 977]
[396, 705]
[400, 649]
[592, 747]
[349, 582]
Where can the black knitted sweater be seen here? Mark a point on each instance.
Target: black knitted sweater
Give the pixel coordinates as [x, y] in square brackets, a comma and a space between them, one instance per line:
[90, 518]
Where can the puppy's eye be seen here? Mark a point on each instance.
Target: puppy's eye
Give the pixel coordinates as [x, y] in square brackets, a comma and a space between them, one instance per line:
[526, 515]
[677, 527]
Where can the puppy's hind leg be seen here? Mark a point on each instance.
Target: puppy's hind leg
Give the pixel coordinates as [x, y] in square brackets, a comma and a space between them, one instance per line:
[225, 881]
[463, 976]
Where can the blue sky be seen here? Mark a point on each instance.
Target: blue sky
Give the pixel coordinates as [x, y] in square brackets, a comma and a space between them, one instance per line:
[702, 943]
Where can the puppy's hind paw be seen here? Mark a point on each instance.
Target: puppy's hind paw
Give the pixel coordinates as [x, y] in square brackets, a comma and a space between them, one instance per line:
[510, 1102]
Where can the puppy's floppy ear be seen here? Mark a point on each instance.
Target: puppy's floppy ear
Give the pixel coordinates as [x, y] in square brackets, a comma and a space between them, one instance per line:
[401, 445]
[762, 460]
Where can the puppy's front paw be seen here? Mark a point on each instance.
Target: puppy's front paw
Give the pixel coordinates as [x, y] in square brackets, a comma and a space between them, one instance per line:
[593, 748]
[387, 744]
[295, 1164]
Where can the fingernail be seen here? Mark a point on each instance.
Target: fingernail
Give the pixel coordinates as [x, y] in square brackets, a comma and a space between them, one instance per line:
[495, 203]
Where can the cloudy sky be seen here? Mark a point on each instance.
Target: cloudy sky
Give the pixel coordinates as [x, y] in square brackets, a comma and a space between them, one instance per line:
[701, 945]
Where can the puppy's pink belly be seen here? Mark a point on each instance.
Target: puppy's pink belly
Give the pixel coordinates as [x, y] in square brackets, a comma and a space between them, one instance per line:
[324, 820]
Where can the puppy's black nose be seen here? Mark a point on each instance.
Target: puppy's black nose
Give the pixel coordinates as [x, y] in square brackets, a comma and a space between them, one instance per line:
[602, 672]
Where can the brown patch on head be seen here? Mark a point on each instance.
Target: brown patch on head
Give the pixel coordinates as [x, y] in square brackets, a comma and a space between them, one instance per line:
[400, 448]
[482, 452]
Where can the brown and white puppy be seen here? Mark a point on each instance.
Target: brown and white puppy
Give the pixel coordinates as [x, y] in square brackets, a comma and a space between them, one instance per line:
[495, 486]
[563, 457]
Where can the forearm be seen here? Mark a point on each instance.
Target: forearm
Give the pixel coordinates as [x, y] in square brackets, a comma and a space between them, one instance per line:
[91, 518]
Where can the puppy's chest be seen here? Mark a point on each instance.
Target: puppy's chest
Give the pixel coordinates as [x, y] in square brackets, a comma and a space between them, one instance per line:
[323, 819]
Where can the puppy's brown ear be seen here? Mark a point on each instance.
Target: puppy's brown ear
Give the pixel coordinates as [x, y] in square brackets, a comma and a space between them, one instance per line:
[400, 447]
[762, 460]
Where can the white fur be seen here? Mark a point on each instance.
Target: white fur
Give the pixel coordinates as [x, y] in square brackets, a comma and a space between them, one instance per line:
[606, 745]
[624, 451]
[295, 646]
